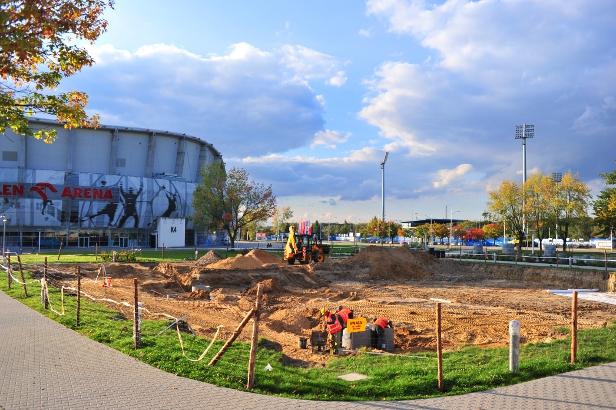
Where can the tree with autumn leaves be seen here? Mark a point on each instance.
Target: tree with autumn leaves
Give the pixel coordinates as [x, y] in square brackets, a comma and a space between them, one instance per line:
[37, 53]
[543, 204]
[229, 202]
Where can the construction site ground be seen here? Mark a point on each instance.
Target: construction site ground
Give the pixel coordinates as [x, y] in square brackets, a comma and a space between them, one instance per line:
[397, 283]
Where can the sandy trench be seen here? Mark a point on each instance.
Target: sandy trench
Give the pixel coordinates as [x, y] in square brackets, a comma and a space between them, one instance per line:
[396, 283]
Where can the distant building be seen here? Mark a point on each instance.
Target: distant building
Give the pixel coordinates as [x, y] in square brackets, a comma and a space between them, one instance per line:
[108, 186]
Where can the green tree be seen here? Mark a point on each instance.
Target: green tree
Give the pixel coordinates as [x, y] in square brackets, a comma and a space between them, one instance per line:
[228, 201]
[346, 228]
[440, 231]
[505, 204]
[493, 230]
[604, 206]
[35, 39]
[570, 203]
[423, 232]
[280, 218]
[540, 191]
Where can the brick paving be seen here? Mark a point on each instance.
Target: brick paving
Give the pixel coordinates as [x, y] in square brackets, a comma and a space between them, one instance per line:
[44, 365]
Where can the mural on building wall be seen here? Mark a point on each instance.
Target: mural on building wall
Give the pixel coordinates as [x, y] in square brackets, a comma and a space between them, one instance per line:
[52, 198]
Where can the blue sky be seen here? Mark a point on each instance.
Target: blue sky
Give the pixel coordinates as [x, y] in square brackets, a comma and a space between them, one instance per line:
[309, 95]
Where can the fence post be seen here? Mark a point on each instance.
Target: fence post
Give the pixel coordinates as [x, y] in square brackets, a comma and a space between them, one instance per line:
[23, 280]
[574, 327]
[439, 346]
[78, 295]
[557, 258]
[570, 262]
[514, 346]
[254, 339]
[605, 258]
[136, 319]
[494, 254]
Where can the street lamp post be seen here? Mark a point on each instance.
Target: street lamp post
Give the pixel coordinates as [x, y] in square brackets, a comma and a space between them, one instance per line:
[522, 132]
[4, 220]
[451, 227]
[431, 234]
[383, 188]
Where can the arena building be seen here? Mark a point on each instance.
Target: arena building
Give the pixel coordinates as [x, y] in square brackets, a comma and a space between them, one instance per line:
[110, 186]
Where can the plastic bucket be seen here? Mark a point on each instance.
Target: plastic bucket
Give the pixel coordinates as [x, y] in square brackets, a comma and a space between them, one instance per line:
[302, 343]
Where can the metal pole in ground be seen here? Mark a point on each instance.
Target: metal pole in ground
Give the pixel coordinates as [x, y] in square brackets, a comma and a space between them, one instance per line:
[574, 327]
[439, 346]
[78, 296]
[514, 346]
[136, 335]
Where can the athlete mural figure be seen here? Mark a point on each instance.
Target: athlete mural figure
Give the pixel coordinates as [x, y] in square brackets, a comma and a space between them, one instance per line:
[109, 209]
[172, 204]
[130, 205]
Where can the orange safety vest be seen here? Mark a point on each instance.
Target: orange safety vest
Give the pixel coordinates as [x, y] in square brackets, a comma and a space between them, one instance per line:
[344, 314]
[381, 322]
[334, 327]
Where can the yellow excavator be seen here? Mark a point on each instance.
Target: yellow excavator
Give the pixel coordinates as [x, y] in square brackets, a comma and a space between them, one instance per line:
[305, 249]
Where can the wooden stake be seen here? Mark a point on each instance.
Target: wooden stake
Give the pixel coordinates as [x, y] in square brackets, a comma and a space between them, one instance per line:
[574, 327]
[60, 251]
[23, 280]
[232, 338]
[439, 346]
[254, 339]
[78, 295]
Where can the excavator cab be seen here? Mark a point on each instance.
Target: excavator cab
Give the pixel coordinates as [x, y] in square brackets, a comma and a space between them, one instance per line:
[308, 249]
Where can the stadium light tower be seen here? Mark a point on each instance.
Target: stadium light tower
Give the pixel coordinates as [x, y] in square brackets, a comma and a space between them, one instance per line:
[522, 132]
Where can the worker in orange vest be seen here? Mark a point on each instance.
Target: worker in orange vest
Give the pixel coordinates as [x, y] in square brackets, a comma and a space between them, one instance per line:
[378, 331]
[334, 325]
[345, 314]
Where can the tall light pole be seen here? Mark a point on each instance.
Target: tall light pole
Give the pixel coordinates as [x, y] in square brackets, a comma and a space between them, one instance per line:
[451, 227]
[522, 132]
[383, 188]
[4, 220]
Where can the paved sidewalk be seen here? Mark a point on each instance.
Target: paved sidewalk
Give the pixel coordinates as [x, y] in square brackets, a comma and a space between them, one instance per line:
[44, 365]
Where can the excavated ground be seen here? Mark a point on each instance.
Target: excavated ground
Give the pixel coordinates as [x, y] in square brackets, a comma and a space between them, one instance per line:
[396, 283]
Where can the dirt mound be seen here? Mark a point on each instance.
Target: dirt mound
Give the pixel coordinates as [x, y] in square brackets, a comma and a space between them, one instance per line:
[239, 262]
[209, 258]
[197, 294]
[264, 256]
[270, 287]
[381, 263]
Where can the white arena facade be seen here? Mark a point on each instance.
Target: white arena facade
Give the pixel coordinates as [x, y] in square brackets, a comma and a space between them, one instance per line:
[108, 187]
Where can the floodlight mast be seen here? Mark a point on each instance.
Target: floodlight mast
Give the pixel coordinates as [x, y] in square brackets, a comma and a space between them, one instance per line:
[522, 132]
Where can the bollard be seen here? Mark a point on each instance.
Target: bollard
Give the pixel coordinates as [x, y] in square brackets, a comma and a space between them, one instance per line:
[196, 255]
[514, 346]
[570, 262]
[494, 254]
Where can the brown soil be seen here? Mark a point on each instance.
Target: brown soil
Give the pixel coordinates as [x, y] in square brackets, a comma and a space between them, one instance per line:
[396, 283]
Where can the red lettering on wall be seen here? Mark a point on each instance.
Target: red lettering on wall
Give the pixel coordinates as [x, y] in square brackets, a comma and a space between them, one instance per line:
[87, 192]
[18, 190]
[77, 193]
[66, 192]
[6, 189]
[98, 193]
[108, 194]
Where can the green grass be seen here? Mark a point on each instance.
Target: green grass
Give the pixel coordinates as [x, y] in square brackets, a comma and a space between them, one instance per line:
[391, 377]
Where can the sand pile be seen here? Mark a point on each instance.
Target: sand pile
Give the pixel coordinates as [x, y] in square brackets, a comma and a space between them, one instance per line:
[392, 263]
[197, 294]
[254, 259]
[208, 258]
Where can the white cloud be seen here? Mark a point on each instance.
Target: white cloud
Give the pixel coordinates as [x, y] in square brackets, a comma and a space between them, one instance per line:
[245, 102]
[445, 177]
[329, 138]
[338, 80]
[365, 32]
